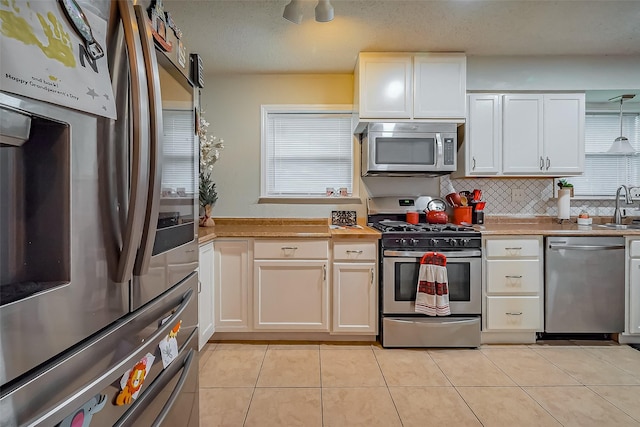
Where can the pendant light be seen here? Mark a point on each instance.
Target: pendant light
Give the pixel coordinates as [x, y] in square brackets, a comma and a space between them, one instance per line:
[621, 145]
[293, 11]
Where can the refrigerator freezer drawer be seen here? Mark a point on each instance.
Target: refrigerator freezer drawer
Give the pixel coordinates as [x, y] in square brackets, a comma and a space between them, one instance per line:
[96, 367]
[431, 331]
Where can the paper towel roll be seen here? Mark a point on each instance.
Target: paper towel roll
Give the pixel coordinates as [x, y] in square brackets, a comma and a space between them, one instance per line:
[564, 203]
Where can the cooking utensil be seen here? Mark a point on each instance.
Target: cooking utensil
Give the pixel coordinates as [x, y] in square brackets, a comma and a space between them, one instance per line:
[412, 217]
[479, 206]
[453, 199]
[464, 201]
[477, 195]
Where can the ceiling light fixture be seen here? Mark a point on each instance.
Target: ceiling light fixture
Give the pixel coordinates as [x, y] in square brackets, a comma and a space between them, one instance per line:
[293, 11]
[621, 145]
[324, 11]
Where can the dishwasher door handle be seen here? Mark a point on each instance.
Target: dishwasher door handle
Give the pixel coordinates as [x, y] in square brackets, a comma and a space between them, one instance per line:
[586, 247]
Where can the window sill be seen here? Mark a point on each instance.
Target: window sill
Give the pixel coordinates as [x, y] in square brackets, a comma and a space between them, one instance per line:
[350, 200]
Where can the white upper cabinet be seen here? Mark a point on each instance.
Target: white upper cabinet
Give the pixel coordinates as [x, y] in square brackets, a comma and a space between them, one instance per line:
[522, 134]
[410, 86]
[440, 85]
[484, 135]
[386, 86]
[563, 138]
[525, 135]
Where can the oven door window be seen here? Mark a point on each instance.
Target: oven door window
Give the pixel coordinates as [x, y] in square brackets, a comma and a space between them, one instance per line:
[405, 151]
[458, 274]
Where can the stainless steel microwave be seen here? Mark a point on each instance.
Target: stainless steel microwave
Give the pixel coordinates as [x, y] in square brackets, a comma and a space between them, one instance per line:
[409, 149]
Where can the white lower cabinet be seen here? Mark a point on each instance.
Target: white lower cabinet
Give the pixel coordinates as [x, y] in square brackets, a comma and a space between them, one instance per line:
[291, 294]
[633, 295]
[355, 287]
[231, 285]
[513, 284]
[509, 313]
[206, 325]
[291, 284]
[355, 297]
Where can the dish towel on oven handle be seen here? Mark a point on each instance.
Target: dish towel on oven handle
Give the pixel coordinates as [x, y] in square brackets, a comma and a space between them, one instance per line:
[432, 295]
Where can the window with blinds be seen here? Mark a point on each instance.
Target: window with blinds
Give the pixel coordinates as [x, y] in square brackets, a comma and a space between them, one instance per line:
[178, 163]
[605, 172]
[305, 149]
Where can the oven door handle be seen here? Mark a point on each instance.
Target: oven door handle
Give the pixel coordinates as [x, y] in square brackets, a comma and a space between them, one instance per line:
[471, 253]
[442, 322]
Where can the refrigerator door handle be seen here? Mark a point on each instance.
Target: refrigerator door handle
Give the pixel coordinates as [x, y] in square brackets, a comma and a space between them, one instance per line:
[140, 149]
[130, 416]
[155, 143]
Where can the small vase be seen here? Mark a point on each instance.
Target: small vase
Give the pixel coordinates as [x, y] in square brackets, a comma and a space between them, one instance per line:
[206, 220]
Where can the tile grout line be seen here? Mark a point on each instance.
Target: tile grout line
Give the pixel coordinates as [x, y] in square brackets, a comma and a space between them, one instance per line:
[253, 392]
[612, 403]
[455, 387]
[387, 387]
[321, 388]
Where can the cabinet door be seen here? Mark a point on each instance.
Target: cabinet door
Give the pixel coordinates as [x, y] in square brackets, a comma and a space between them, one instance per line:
[291, 295]
[514, 313]
[484, 135]
[385, 86]
[564, 116]
[634, 296]
[205, 295]
[522, 135]
[231, 284]
[440, 85]
[355, 298]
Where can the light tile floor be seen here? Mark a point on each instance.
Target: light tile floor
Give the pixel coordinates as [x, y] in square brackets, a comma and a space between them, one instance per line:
[558, 383]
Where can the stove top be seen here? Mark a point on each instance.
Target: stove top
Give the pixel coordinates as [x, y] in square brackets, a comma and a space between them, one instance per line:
[389, 226]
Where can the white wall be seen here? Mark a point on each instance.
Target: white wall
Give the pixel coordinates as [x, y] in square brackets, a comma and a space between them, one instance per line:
[232, 105]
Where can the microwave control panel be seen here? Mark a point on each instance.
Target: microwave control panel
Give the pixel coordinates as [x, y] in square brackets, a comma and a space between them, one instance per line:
[449, 151]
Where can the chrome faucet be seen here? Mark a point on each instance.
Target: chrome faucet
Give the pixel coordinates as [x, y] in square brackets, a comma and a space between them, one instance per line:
[617, 215]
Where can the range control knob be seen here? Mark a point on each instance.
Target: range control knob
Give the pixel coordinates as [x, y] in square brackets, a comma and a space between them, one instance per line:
[465, 242]
[433, 242]
[453, 242]
[413, 242]
[403, 242]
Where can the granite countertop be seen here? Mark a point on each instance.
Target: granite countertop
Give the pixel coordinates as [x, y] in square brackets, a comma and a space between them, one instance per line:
[282, 228]
[549, 226]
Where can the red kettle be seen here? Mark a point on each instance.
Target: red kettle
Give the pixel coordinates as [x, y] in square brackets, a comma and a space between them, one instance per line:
[437, 217]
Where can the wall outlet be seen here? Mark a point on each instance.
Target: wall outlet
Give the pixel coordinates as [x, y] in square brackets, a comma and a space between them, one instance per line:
[634, 193]
[518, 195]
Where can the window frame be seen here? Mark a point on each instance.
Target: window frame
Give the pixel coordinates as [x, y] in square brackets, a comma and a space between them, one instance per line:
[267, 109]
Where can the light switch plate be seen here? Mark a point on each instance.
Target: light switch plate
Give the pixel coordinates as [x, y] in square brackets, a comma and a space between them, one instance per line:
[518, 195]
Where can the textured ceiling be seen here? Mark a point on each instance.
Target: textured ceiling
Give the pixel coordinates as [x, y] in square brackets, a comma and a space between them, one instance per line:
[239, 36]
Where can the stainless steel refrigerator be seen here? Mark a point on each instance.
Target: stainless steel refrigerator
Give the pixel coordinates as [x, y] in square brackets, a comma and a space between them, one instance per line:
[98, 252]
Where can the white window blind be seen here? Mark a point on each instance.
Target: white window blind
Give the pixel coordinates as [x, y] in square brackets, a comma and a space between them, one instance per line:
[178, 163]
[306, 151]
[604, 172]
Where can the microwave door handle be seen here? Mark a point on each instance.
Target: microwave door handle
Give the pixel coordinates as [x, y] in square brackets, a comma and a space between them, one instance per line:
[439, 149]
[140, 146]
[155, 144]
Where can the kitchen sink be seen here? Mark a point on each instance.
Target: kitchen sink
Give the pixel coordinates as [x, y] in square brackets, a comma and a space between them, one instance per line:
[620, 226]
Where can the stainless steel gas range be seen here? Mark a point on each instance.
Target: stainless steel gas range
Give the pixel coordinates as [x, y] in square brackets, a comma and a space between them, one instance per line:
[401, 248]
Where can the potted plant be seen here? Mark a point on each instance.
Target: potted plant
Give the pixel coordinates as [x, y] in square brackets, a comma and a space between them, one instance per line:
[210, 147]
[563, 184]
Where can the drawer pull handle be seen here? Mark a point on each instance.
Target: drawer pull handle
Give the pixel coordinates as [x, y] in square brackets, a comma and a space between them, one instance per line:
[289, 248]
[513, 277]
[353, 252]
[513, 249]
[514, 314]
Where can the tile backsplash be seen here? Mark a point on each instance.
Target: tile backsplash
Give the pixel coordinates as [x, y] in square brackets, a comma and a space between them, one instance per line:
[539, 199]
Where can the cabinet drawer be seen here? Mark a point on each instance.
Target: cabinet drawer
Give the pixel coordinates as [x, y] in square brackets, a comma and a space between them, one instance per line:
[291, 249]
[513, 276]
[512, 248]
[514, 313]
[347, 251]
[634, 249]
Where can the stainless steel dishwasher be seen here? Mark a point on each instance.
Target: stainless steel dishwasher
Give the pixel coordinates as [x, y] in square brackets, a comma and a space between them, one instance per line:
[584, 284]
